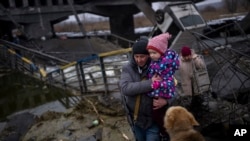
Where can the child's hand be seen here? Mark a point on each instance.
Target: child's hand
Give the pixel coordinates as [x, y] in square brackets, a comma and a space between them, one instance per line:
[156, 77]
[156, 85]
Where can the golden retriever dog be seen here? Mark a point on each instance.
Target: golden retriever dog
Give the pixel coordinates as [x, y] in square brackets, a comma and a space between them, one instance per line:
[179, 122]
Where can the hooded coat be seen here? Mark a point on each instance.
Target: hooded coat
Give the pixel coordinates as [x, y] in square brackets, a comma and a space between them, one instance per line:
[165, 67]
[186, 72]
[131, 85]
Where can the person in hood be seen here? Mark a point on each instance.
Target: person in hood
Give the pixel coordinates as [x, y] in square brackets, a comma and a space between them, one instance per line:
[134, 87]
[188, 60]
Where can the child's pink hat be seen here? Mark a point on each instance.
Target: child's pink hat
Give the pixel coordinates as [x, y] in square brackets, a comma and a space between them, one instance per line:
[159, 43]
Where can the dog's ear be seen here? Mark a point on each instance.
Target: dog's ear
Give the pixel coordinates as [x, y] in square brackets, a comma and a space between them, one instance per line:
[192, 119]
[168, 121]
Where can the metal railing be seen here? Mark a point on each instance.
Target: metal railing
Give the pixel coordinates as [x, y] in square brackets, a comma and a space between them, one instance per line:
[14, 60]
[97, 73]
[92, 75]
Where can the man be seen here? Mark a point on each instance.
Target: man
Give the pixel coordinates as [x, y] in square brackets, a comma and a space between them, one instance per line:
[134, 89]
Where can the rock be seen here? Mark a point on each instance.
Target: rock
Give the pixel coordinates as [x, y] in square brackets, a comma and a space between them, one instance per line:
[17, 126]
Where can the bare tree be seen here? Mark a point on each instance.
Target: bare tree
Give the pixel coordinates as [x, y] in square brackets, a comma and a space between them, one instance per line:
[245, 22]
[245, 4]
[231, 5]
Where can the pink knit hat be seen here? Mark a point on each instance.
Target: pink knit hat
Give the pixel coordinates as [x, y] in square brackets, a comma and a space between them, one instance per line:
[159, 43]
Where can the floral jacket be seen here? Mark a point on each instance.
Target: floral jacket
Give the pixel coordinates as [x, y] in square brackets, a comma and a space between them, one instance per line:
[165, 67]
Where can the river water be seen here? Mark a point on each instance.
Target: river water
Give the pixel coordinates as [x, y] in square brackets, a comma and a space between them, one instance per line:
[20, 93]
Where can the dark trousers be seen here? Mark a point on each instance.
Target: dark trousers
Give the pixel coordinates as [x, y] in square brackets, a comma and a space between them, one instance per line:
[158, 117]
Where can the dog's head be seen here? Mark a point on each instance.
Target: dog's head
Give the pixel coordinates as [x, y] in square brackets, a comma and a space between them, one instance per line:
[179, 118]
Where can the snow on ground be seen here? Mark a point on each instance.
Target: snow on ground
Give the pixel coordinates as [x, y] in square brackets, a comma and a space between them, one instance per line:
[208, 2]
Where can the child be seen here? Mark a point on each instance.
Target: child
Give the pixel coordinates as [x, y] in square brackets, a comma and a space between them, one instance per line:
[164, 62]
[188, 60]
[194, 79]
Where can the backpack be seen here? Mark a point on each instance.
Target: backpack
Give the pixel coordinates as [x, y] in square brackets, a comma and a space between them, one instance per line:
[201, 81]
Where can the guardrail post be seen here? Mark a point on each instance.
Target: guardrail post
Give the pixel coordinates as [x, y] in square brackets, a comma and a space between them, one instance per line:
[104, 75]
[83, 85]
[65, 87]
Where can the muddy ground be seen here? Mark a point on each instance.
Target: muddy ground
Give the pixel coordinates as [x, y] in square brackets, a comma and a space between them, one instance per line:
[74, 124]
[77, 124]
